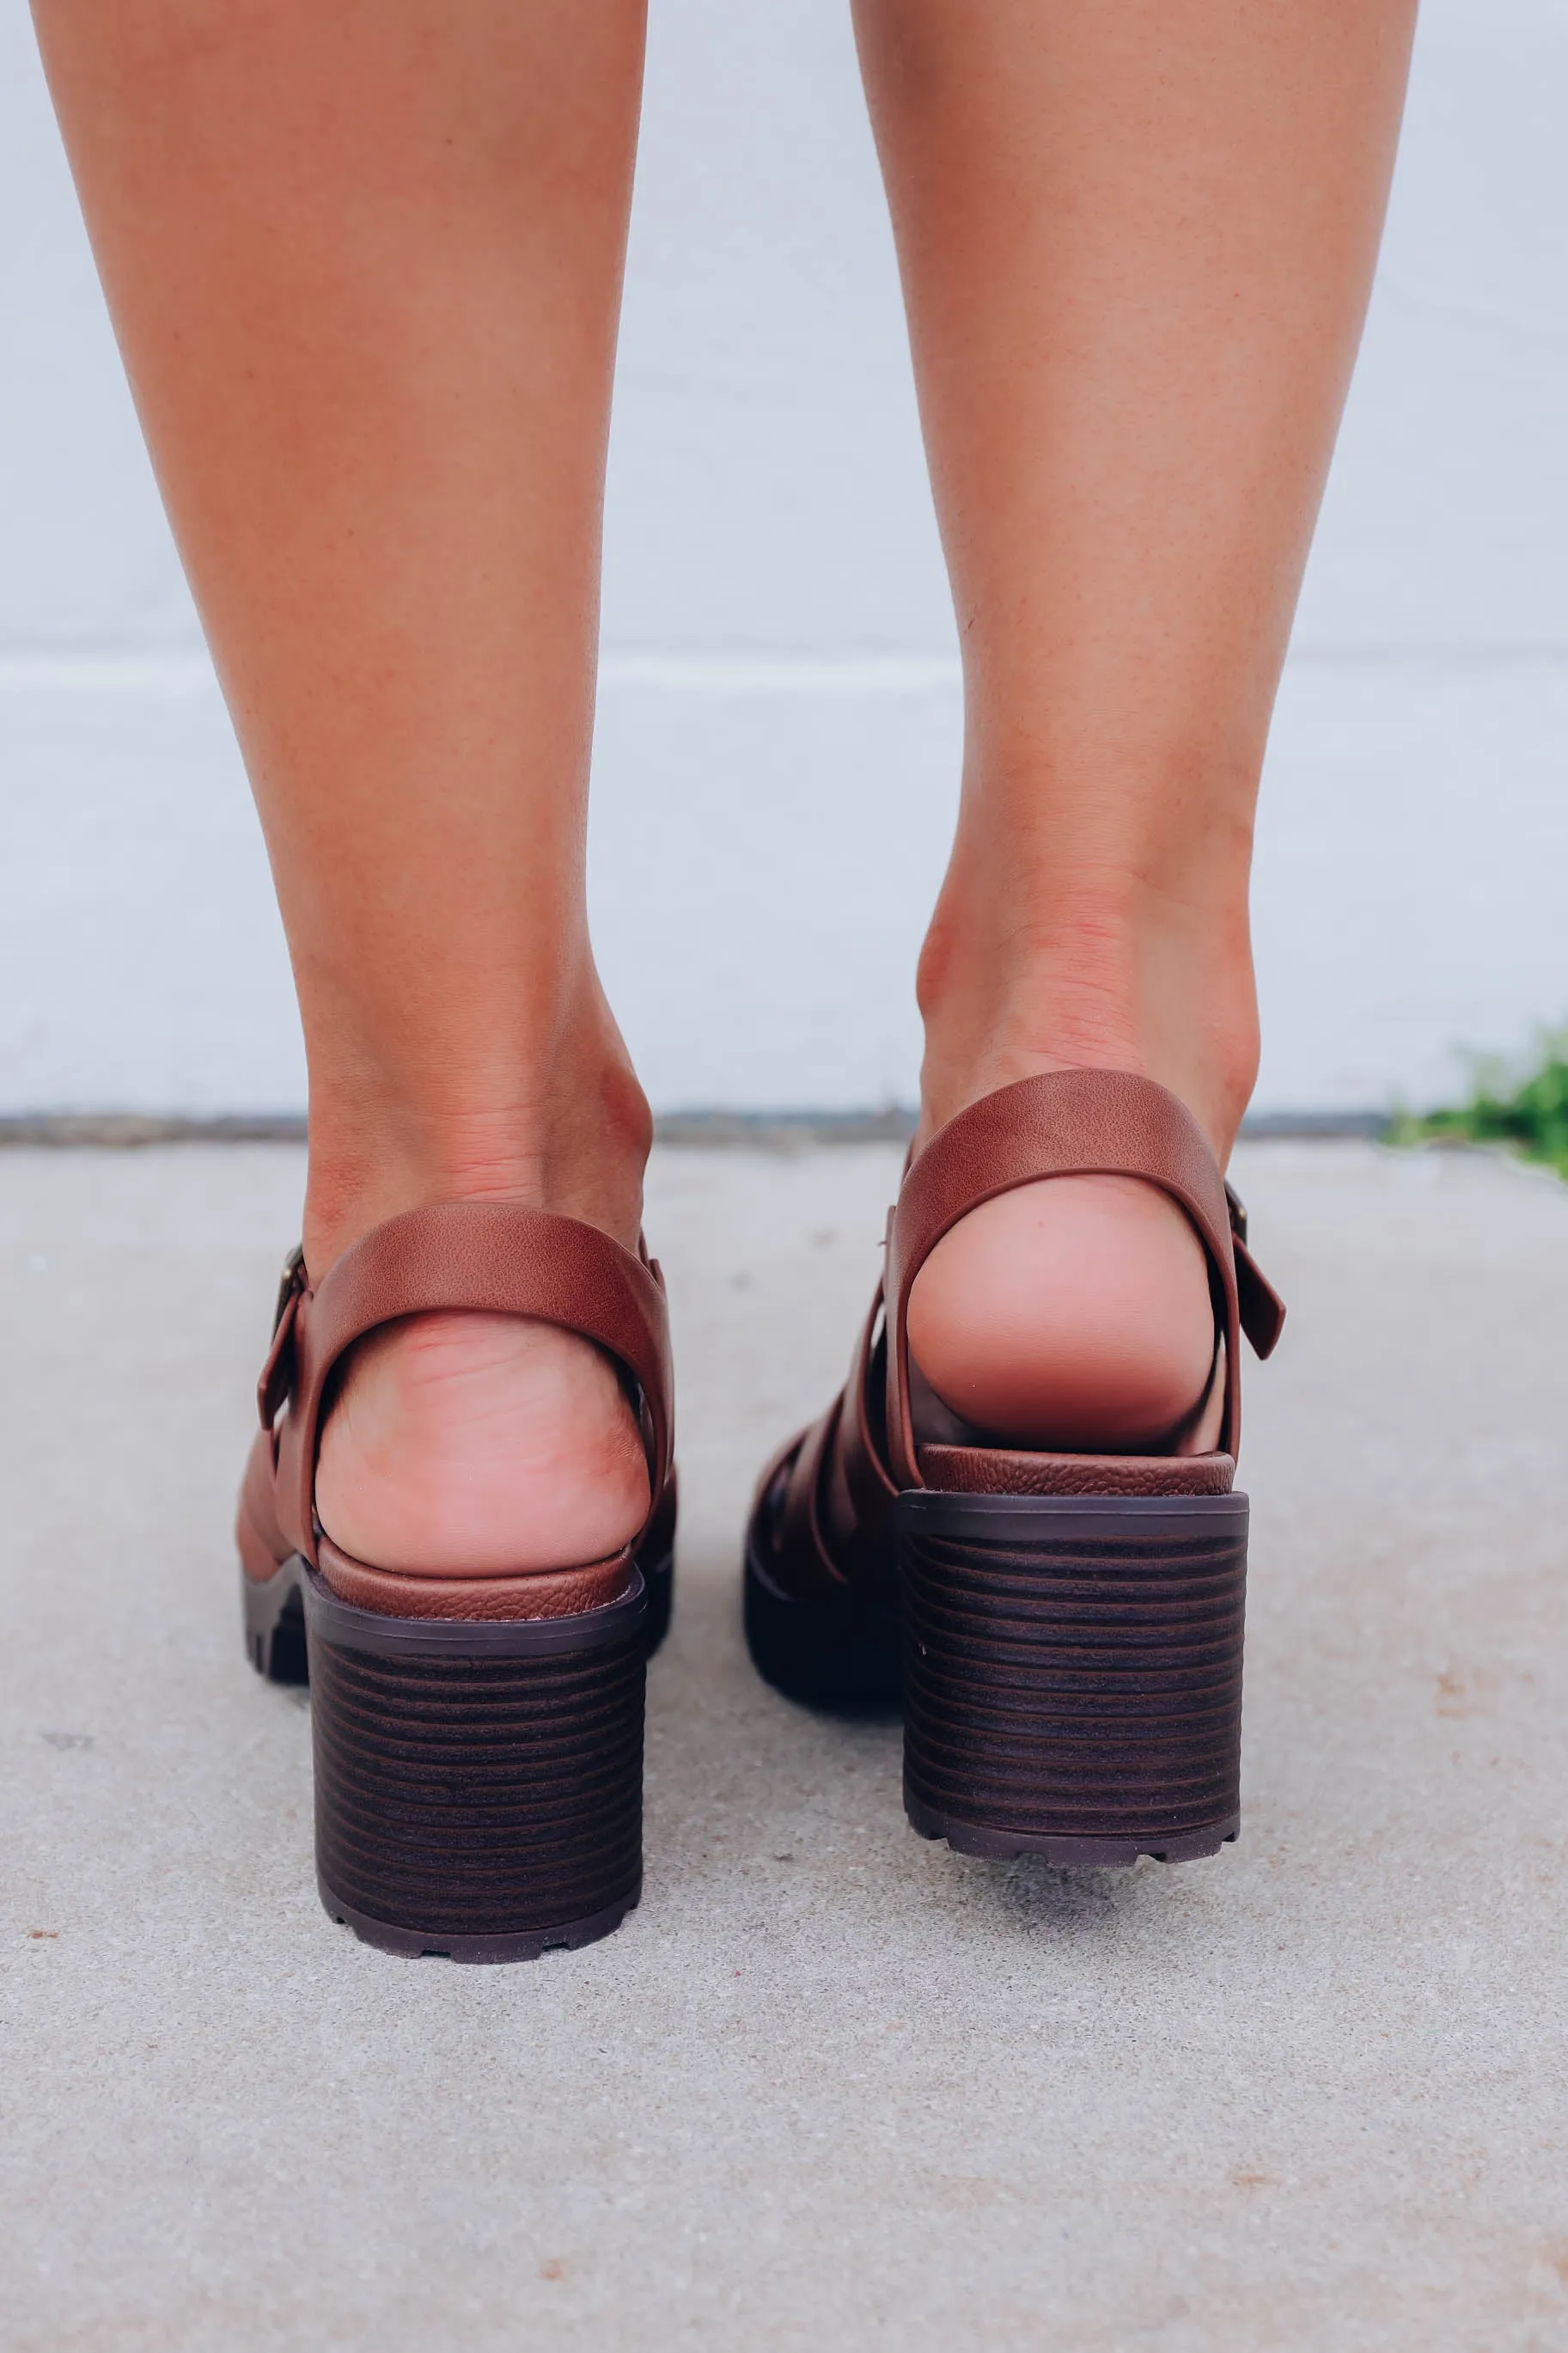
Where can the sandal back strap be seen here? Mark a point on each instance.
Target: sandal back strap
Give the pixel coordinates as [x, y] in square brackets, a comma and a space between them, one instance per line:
[1071, 1124]
[499, 1257]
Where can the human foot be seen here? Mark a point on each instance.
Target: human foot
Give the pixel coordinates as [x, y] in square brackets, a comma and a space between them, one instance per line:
[1075, 1314]
[1071, 1315]
[432, 1332]
[459, 1442]
[476, 1443]
[888, 1502]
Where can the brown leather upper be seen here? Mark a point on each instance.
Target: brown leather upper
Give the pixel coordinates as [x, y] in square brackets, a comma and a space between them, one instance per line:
[823, 1500]
[498, 1257]
[1065, 1123]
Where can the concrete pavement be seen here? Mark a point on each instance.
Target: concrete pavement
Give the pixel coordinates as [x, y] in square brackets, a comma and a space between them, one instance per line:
[830, 2087]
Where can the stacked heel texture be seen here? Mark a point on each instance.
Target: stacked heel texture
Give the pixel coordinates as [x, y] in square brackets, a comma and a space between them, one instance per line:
[479, 1785]
[1072, 1672]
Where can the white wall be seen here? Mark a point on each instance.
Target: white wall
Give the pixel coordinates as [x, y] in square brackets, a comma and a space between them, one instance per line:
[779, 717]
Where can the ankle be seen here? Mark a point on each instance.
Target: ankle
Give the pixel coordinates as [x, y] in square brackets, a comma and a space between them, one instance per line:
[1096, 977]
[466, 1442]
[572, 1136]
[1075, 1313]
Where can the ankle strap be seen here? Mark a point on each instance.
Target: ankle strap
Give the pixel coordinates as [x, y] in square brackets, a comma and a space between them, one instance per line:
[494, 1257]
[1069, 1124]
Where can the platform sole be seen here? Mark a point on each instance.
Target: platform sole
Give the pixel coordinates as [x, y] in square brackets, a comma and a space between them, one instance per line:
[1070, 1853]
[273, 1614]
[838, 1650]
[414, 1944]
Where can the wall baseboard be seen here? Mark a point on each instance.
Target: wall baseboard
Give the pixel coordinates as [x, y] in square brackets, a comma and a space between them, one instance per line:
[757, 1130]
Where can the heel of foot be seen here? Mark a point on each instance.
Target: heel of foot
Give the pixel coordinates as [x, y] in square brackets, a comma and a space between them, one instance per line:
[476, 1444]
[1072, 1313]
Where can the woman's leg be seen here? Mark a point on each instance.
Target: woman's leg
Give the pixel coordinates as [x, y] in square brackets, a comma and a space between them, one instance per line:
[1136, 243]
[364, 258]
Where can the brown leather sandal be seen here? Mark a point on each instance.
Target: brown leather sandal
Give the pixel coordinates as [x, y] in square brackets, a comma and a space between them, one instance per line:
[478, 1740]
[1065, 1630]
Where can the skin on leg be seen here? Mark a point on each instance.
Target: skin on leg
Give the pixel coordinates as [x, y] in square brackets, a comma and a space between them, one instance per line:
[1136, 243]
[364, 260]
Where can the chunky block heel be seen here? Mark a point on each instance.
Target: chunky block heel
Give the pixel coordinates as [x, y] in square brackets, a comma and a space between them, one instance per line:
[1071, 1623]
[478, 1738]
[479, 1785]
[1072, 1672]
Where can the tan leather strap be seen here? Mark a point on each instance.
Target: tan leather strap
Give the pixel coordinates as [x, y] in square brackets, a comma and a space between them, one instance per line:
[835, 1479]
[1261, 1308]
[494, 1257]
[1067, 1124]
[867, 1492]
[801, 1531]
